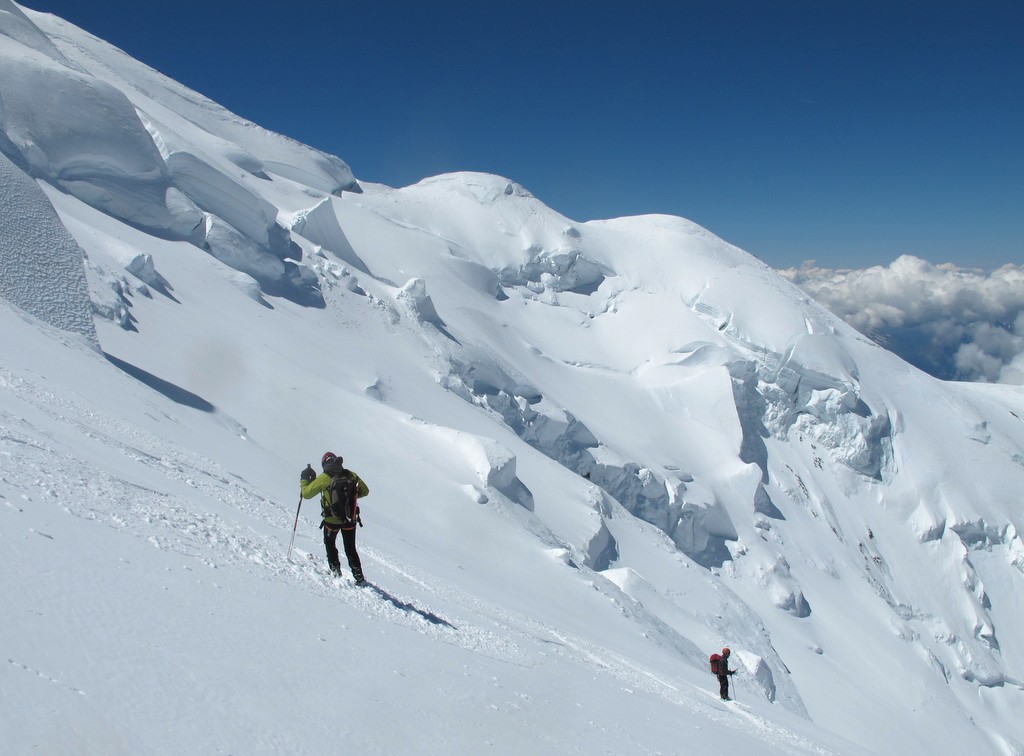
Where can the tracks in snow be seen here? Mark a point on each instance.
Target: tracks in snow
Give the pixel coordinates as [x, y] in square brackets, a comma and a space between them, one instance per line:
[173, 502]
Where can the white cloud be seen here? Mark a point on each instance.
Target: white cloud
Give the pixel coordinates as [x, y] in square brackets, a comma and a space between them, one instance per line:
[953, 322]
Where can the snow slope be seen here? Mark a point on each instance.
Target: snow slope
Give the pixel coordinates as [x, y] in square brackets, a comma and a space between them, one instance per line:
[597, 452]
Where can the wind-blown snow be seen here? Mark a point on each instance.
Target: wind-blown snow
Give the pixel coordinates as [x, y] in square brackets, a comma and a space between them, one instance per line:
[597, 452]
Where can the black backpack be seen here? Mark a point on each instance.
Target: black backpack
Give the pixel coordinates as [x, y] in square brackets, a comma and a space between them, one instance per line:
[341, 496]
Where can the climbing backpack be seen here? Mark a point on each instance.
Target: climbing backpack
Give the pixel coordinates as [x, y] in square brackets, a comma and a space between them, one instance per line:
[715, 659]
[342, 495]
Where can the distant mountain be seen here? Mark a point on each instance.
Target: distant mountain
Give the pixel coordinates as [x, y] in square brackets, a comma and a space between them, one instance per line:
[597, 452]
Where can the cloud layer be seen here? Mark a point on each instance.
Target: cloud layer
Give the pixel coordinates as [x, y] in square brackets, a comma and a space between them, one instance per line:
[955, 323]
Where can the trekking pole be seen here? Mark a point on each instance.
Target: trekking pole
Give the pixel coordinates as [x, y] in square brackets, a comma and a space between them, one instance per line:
[296, 527]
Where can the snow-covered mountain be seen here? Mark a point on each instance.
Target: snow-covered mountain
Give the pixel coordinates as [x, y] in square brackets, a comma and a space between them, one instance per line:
[597, 452]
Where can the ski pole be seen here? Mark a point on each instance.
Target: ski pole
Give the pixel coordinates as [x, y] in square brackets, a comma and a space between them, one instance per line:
[296, 527]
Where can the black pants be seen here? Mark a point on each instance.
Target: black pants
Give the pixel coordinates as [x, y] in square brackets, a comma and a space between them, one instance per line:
[723, 684]
[348, 540]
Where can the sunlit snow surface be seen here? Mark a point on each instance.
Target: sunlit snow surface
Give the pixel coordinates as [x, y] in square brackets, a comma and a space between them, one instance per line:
[597, 452]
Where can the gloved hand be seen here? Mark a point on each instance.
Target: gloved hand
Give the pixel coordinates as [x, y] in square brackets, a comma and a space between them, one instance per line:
[308, 474]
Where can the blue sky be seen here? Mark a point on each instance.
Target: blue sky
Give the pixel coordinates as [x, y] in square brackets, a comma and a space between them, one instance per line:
[846, 132]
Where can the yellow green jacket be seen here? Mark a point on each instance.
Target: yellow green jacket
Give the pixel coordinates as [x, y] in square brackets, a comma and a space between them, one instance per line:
[319, 485]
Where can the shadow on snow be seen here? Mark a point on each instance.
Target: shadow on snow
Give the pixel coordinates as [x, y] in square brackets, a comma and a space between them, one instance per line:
[411, 608]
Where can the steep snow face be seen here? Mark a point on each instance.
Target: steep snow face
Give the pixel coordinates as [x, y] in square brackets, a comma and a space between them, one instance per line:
[126, 153]
[596, 452]
[251, 147]
[103, 155]
[16, 26]
[41, 265]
